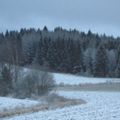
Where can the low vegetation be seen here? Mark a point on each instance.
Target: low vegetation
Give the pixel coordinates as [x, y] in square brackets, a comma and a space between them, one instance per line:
[31, 83]
[51, 101]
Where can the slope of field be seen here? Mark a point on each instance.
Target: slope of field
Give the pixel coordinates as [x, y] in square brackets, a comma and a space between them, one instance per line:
[68, 79]
[99, 106]
[76, 80]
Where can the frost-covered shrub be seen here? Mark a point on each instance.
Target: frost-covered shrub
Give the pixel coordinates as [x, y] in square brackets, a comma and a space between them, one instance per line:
[34, 83]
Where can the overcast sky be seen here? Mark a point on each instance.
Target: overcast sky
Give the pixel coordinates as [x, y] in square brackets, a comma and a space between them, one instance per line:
[101, 16]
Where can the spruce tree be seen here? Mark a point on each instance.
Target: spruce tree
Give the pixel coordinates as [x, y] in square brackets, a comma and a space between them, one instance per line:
[101, 67]
[118, 69]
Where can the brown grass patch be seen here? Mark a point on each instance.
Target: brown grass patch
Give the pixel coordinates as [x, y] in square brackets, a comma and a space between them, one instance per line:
[56, 101]
[18, 111]
[53, 101]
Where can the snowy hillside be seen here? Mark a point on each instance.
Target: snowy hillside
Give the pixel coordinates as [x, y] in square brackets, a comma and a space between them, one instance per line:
[69, 79]
[100, 106]
[76, 80]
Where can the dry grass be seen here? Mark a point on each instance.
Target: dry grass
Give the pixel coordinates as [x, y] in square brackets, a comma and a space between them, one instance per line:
[53, 101]
[56, 101]
[18, 111]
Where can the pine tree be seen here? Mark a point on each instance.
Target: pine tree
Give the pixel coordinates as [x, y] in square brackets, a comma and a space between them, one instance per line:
[52, 56]
[40, 57]
[78, 58]
[118, 53]
[101, 68]
[45, 29]
[30, 54]
[89, 64]
[118, 69]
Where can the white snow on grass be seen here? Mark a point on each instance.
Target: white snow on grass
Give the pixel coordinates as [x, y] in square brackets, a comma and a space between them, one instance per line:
[76, 80]
[68, 79]
[99, 106]
[11, 103]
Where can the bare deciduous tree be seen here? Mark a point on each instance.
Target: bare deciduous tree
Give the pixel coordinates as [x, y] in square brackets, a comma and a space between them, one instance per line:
[34, 83]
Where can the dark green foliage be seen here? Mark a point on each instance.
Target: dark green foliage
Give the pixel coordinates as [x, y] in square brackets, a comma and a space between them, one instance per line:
[118, 69]
[60, 50]
[101, 62]
[5, 81]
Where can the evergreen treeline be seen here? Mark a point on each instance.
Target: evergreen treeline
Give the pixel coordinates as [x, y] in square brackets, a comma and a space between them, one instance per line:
[61, 50]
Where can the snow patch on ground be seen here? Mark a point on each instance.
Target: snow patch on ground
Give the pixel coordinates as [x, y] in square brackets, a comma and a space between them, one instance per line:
[76, 80]
[12, 103]
[100, 106]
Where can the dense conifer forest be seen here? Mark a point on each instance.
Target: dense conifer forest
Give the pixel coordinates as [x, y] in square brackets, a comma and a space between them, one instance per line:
[61, 50]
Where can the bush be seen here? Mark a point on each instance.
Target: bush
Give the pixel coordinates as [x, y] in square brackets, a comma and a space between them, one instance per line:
[45, 83]
[34, 83]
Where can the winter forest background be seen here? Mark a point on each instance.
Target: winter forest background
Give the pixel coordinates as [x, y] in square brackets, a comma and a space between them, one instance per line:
[61, 50]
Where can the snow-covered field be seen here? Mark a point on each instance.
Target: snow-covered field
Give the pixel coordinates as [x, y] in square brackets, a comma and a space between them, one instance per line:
[76, 80]
[100, 106]
[68, 79]
[11, 103]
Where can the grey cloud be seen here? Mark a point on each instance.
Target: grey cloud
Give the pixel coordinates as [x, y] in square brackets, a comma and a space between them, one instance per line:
[99, 15]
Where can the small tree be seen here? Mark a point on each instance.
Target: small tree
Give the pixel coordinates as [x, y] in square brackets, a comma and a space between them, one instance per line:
[45, 83]
[35, 82]
[25, 87]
